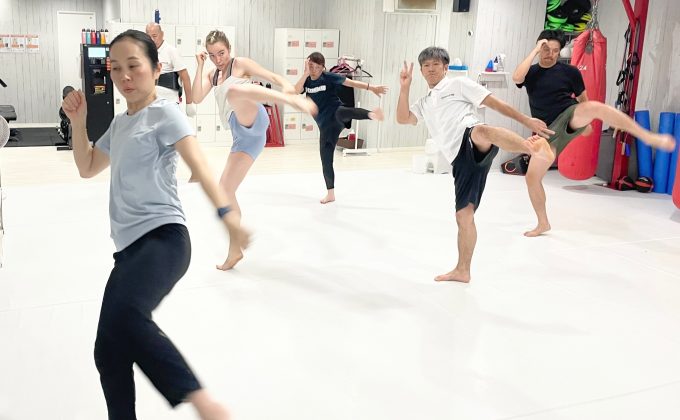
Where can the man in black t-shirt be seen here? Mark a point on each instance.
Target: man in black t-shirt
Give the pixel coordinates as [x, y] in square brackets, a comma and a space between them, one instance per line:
[557, 96]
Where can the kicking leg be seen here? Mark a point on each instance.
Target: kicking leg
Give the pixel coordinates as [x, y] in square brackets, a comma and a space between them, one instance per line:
[483, 136]
[246, 98]
[345, 114]
[588, 111]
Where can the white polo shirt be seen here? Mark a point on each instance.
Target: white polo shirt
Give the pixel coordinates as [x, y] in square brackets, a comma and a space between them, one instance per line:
[448, 109]
[170, 61]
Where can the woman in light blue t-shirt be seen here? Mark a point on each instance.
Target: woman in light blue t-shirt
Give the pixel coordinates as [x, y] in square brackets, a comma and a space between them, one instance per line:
[153, 249]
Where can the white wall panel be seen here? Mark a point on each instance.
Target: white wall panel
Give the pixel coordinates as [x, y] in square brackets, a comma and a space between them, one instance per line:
[254, 20]
[510, 28]
[33, 79]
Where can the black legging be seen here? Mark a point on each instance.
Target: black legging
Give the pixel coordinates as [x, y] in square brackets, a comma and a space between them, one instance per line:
[143, 274]
[329, 138]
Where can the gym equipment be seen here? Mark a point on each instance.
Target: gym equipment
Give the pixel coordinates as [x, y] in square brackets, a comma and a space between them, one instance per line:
[674, 157]
[578, 161]
[4, 132]
[98, 89]
[625, 183]
[629, 77]
[662, 159]
[516, 166]
[9, 114]
[644, 152]
[64, 129]
[644, 184]
[275, 130]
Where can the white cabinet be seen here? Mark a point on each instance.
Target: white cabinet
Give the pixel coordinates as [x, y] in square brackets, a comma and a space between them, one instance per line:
[202, 32]
[312, 42]
[288, 42]
[291, 126]
[292, 69]
[308, 127]
[185, 40]
[291, 48]
[205, 128]
[207, 105]
[329, 43]
[222, 134]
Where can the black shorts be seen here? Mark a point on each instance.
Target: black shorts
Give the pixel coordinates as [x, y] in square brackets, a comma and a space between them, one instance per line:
[470, 169]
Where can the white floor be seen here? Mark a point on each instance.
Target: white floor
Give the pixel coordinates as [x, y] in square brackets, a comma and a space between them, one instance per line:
[333, 313]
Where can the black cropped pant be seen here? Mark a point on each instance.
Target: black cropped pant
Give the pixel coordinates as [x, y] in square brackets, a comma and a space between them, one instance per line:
[329, 139]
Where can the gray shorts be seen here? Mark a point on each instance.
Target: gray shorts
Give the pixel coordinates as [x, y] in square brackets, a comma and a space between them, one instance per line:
[563, 133]
[251, 139]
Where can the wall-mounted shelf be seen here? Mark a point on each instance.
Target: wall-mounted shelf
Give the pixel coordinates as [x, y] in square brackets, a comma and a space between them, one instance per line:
[493, 73]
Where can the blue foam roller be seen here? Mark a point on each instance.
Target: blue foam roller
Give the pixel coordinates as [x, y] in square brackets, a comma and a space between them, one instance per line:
[644, 152]
[674, 157]
[662, 159]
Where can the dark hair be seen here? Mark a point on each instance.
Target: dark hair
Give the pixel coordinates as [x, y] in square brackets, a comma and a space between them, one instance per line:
[553, 35]
[217, 36]
[317, 58]
[434, 53]
[143, 40]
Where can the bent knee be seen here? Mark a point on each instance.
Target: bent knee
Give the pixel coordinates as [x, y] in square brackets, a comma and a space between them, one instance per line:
[482, 133]
[235, 92]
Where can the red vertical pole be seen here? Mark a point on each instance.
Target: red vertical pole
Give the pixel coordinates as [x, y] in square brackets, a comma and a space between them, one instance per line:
[637, 18]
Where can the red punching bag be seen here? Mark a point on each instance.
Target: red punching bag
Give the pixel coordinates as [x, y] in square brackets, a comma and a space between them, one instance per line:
[579, 159]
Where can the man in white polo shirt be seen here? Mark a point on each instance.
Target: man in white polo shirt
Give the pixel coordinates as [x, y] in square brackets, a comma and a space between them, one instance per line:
[171, 63]
[449, 112]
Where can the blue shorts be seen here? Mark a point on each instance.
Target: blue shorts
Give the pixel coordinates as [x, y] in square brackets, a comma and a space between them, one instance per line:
[251, 139]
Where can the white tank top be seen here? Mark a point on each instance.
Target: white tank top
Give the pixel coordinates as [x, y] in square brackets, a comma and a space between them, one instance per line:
[223, 106]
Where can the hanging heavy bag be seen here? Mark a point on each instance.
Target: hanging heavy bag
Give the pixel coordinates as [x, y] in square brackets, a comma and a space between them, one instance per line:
[578, 161]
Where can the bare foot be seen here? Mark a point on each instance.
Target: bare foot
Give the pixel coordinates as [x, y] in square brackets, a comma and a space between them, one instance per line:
[454, 275]
[329, 198]
[239, 239]
[231, 261]
[540, 149]
[377, 114]
[304, 104]
[661, 141]
[538, 230]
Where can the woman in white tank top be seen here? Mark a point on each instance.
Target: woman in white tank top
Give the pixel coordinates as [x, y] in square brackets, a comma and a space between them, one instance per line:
[240, 108]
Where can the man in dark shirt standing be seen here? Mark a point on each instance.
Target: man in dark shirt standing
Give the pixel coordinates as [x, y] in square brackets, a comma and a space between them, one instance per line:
[557, 96]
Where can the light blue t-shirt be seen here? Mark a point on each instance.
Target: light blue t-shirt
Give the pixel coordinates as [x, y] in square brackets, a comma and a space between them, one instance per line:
[143, 190]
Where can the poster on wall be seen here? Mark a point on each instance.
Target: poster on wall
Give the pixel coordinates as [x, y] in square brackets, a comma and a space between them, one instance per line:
[32, 44]
[18, 43]
[4, 43]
